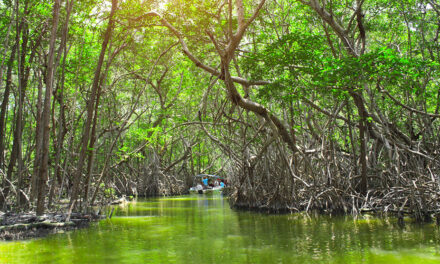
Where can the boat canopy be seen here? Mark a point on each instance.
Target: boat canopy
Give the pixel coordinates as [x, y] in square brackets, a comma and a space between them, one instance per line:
[209, 176]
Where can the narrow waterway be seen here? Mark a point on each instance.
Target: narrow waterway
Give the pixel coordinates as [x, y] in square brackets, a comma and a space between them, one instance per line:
[203, 229]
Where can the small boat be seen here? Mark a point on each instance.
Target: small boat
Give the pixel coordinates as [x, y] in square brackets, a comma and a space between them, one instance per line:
[200, 188]
[216, 189]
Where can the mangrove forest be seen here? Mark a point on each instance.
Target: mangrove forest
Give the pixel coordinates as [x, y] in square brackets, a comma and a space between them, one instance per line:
[324, 107]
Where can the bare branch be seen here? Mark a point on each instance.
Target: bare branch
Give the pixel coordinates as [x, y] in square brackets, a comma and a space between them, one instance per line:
[307, 101]
[382, 90]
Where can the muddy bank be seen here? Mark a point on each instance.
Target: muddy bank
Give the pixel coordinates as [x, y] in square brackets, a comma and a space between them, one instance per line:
[28, 225]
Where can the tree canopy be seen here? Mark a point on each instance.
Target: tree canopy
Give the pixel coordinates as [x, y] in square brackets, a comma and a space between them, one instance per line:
[301, 105]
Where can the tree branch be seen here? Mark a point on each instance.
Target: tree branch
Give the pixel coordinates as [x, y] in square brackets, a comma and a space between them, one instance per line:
[382, 90]
[193, 58]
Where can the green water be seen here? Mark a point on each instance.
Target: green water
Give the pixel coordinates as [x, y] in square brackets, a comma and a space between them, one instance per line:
[203, 229]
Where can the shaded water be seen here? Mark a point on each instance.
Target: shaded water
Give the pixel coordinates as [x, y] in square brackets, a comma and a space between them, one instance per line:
[203, 229]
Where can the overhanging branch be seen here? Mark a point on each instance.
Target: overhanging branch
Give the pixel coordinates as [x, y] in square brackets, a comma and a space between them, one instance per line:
[192, 57]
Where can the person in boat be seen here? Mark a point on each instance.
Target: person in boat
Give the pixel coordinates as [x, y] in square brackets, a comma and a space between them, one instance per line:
[222, 184]
[205, 182]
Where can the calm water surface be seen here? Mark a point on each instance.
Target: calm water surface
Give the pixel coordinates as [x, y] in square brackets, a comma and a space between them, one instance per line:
[203, 229]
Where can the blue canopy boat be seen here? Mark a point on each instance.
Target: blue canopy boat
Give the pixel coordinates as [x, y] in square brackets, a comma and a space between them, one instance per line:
[212, 184]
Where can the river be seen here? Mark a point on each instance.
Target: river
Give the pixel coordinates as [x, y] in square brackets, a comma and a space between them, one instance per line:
[203, 229]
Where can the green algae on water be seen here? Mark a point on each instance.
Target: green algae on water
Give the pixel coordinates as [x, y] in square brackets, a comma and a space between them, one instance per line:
[203, 229]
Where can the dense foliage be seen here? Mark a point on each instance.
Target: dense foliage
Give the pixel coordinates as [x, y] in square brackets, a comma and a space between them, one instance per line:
[302, 105]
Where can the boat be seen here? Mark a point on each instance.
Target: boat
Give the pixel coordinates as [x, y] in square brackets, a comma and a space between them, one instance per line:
[207, 189]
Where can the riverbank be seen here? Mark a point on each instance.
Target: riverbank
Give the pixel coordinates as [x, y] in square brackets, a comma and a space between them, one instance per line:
[28, 225]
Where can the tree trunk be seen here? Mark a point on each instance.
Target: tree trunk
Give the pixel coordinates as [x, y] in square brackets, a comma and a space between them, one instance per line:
[91, 156]
[362, 141]
[61, 119]
[7, 90]
[38, 141]
[90, 109]
[4, 110]
[22, 83]
[44, 161]
[4, 107]
[17, 142]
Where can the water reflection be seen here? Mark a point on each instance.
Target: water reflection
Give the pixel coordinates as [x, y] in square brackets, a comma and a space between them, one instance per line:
[203, 229]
